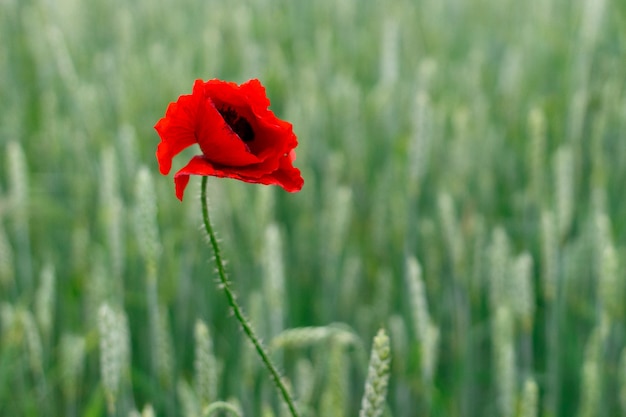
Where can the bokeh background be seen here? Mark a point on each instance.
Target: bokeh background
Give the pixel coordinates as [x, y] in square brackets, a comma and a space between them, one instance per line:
[465, 172]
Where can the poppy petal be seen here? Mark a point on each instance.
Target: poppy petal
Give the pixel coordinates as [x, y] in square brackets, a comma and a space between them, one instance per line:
[197, 166]
[218, 141]
[255, 92]
[287, 176]
[222, 92]
[176, 130]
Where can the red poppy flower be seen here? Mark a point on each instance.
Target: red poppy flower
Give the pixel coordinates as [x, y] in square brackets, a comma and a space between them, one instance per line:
[238, 135]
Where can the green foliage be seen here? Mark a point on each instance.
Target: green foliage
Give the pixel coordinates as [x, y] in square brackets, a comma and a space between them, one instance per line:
[464, 166]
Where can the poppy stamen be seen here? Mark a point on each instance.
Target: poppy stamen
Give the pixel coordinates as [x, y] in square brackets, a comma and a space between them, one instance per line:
[238, 124]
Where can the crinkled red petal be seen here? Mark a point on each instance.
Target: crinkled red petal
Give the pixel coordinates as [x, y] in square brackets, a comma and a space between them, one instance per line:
[254, 90]
[286, 176]
[217, 140]
[177, 130]
[197, 166]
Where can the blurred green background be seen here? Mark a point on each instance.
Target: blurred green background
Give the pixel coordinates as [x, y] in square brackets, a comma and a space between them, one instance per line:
[464, 166]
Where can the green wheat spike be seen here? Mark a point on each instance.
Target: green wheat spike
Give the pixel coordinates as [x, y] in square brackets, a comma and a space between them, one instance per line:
[274, 279]
[148, 411]
[8, 322]
[18, 180]
[7, 267]
[187, 398]
[388, 62]
[112, 211]
[549, 280]
[398, 331]
[611, 286]
[549, 253]
[61, 55]
[351, 281]
[592, 17]
[452, 236]
[44, 301]
[523, 290]
[126, 141]
[264, 205]
[145, 223]
[564, 189]
[336, 220]
[591, 386]
[621, 377]
[249, 363]
[607, 267]
[426, 332]
[504, 360]
[530, 399]
[421, 138]
[378, 373]
[72, 352]
[578, 103]
[97, 290]
[146, 230]
[304, 381]
[602, 237]
[162, 347]
[333, 399]
[32, 340]
[499, 267]
[267, 411]
[537, 150]
[80, 254]
[205, 365]
[33, 349]
[479, 267]
[383, 301]
[114, 352]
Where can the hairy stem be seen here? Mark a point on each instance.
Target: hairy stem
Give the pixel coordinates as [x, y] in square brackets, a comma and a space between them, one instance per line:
[232, 301]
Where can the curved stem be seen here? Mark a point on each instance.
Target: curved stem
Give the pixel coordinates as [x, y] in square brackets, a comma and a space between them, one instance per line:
[221, 406]
[232, 301]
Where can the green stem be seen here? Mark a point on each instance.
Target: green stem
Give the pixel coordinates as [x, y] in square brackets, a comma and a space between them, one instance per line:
[230, 295]
[221, 406]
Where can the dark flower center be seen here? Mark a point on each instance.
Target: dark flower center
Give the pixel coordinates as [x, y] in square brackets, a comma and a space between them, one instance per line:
[238, 124]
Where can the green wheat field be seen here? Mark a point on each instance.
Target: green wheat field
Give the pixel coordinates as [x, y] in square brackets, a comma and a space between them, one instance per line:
[465, 190]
